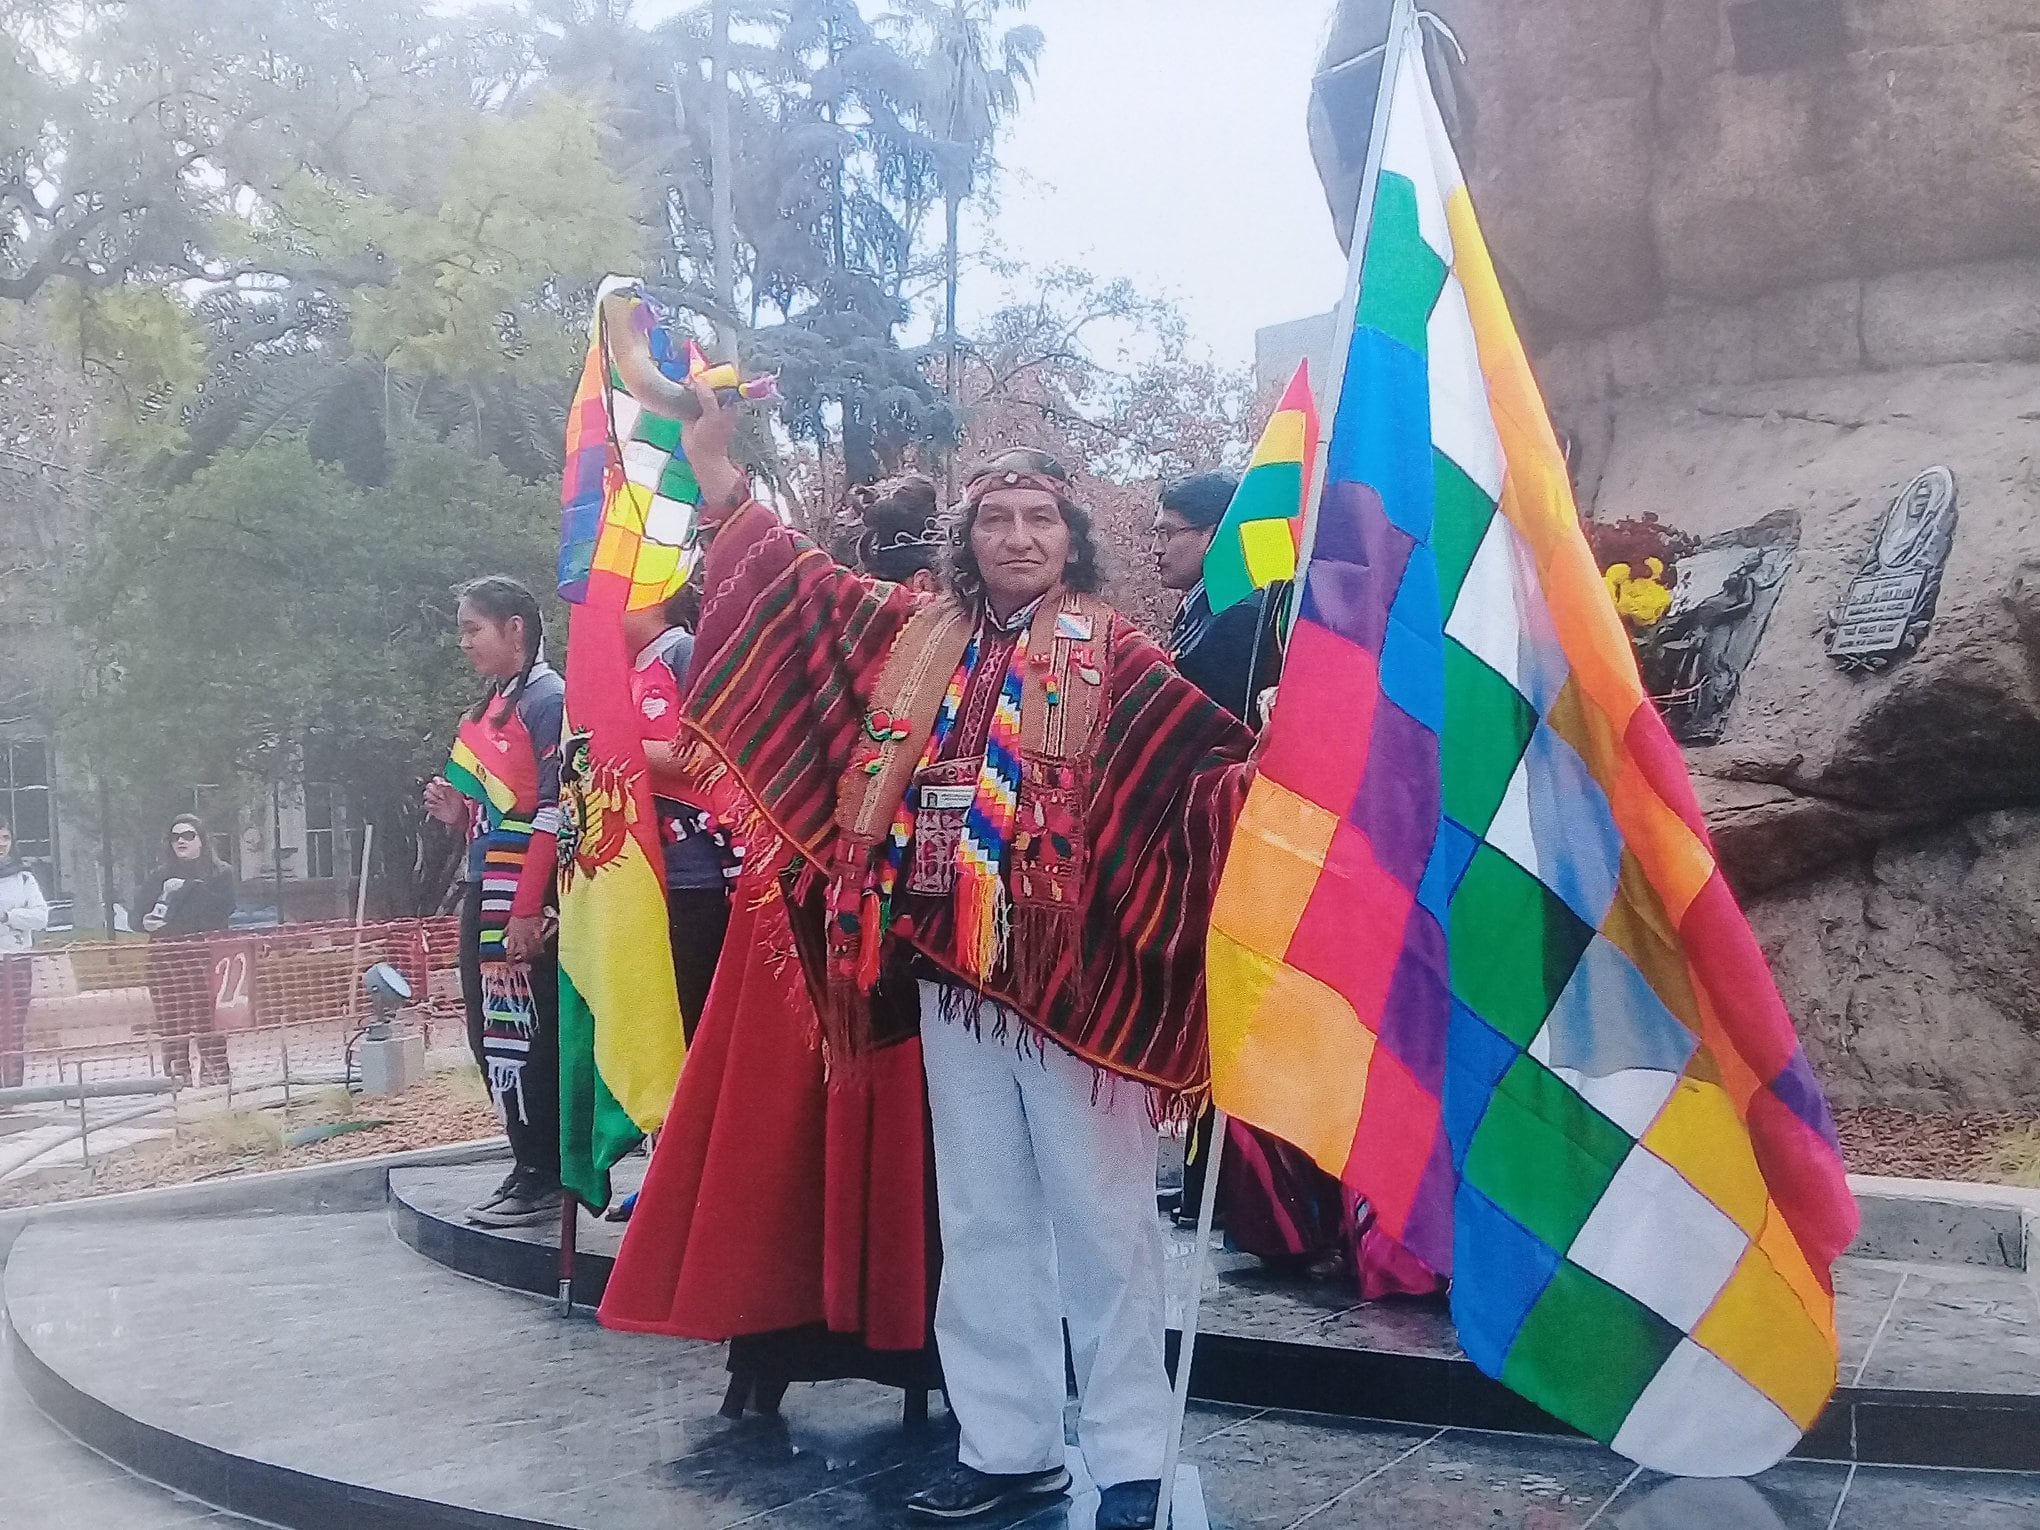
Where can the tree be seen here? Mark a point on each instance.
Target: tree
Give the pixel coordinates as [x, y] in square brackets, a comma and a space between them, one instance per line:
[273, 621]
[48, 487]
[460, 287]
[132, 131]
[827, 188]
[231, 203]
[319, 271]
[1106, 380]
[971, 71]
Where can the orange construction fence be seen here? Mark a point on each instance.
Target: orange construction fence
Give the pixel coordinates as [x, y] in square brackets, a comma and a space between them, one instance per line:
[205, 998]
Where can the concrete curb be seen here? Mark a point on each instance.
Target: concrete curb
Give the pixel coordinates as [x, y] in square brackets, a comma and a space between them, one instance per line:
[343, 1184]
[1940, 1221]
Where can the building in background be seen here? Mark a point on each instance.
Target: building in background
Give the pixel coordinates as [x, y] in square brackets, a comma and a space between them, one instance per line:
[1279, 347]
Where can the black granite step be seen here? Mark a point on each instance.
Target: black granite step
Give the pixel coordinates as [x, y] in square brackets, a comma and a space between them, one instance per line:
[1941, 1361]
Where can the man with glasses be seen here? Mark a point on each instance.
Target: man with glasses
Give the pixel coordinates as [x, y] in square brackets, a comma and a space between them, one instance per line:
[1215, 653]
[1275, 1203]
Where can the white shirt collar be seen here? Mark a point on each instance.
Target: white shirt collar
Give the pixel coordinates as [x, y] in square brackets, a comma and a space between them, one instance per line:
[1017, 621]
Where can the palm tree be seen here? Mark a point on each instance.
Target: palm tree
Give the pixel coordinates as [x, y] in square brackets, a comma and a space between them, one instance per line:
[972, 68]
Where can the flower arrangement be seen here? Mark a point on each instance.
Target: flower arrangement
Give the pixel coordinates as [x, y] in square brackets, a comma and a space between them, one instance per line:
[1638, 560]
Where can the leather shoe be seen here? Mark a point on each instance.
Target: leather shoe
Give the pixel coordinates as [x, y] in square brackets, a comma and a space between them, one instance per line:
[963, 1492]
[1129, 1505]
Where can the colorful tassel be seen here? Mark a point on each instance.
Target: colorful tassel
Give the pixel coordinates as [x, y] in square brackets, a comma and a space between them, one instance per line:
[981, 921]
[869, 941]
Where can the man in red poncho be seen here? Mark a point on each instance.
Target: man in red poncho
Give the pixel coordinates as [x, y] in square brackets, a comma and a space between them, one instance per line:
[1012, 812]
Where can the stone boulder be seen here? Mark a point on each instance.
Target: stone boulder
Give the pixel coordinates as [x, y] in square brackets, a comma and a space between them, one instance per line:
[1910, 971]
[1629, 154]
[1774, 258]
[1952, 730]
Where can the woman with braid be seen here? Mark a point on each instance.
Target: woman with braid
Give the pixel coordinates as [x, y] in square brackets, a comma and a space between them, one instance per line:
[1010, 812]
[502, 785]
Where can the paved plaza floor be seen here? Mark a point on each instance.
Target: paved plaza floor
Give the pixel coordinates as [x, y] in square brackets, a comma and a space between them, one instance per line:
[48, 1481]
[317, 1359]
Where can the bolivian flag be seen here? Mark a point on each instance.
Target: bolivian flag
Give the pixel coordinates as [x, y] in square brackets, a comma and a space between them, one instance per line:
[1259, 538]
[483, 771]
[621, 1043]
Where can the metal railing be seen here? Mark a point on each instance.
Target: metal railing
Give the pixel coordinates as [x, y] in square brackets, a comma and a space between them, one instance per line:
[160, 1025]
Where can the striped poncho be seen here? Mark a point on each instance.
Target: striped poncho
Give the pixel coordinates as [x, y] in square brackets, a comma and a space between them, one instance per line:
[790, 662]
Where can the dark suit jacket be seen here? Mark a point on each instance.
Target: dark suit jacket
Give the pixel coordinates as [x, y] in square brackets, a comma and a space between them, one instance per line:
[1216, 653]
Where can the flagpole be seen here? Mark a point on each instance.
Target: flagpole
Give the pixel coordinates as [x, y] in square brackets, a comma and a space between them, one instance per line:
[1402, 30]
[1200, 1257]
[570, 1224]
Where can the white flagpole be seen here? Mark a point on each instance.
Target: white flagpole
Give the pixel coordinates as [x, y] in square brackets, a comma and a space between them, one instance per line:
[1402, 33]
[1200, 1256]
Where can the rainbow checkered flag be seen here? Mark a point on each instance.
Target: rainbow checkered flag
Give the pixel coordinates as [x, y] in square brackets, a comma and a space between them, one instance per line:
[626, 480]
[1472, 950]
[627, 504]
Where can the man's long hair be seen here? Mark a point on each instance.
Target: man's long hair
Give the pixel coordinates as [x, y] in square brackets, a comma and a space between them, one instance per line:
[1085, 572]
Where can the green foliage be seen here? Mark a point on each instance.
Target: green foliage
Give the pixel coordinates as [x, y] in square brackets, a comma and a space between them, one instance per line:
[326, 266]
[139, 129]
[143, 346]
[307, 183]
[271, 616]
[484, 259]
[972, 72]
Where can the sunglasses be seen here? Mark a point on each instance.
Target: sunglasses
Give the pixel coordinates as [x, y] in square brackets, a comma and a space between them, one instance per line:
[184, 834]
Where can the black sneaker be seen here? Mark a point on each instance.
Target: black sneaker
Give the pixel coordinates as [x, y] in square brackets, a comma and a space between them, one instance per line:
[1129, 1505]
[495, 1195]
[531, 1200]
[964, 1492]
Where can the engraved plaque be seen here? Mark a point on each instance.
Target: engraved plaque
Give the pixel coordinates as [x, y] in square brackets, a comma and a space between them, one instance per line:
[1876, 612]
[1890, 605]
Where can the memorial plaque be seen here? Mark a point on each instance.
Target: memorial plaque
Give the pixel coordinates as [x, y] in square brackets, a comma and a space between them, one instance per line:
[1889, 606]
[1876, 613]
[1693, 659]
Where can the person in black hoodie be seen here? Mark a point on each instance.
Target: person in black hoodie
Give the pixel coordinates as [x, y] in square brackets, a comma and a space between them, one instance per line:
[192, 895]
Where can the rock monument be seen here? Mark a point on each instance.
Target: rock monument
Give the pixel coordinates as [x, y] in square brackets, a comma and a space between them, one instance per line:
[1777, 261]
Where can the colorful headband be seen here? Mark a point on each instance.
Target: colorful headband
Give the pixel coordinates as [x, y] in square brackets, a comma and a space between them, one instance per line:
[986, 483]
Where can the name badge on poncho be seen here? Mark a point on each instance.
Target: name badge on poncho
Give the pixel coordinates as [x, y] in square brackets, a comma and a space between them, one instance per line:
[942, 799]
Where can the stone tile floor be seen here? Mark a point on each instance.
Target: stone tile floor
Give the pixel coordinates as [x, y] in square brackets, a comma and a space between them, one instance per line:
[321, 1343]
[48, 1481]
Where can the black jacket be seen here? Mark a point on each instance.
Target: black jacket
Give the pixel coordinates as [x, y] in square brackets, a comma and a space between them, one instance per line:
[1216, 653]
[205, 902]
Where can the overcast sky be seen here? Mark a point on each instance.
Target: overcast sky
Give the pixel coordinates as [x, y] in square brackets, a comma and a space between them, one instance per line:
[1165, 142]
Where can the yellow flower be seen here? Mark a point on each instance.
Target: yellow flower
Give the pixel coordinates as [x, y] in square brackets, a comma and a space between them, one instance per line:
[1642, 602]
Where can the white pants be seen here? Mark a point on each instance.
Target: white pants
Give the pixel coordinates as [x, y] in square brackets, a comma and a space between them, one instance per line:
[1045, 1193]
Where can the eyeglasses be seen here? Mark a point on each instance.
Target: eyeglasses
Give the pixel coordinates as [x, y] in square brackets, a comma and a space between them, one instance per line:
[1170, 533]
[184, 834]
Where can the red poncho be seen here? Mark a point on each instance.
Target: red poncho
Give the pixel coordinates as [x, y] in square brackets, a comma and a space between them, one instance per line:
[1110, 913]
